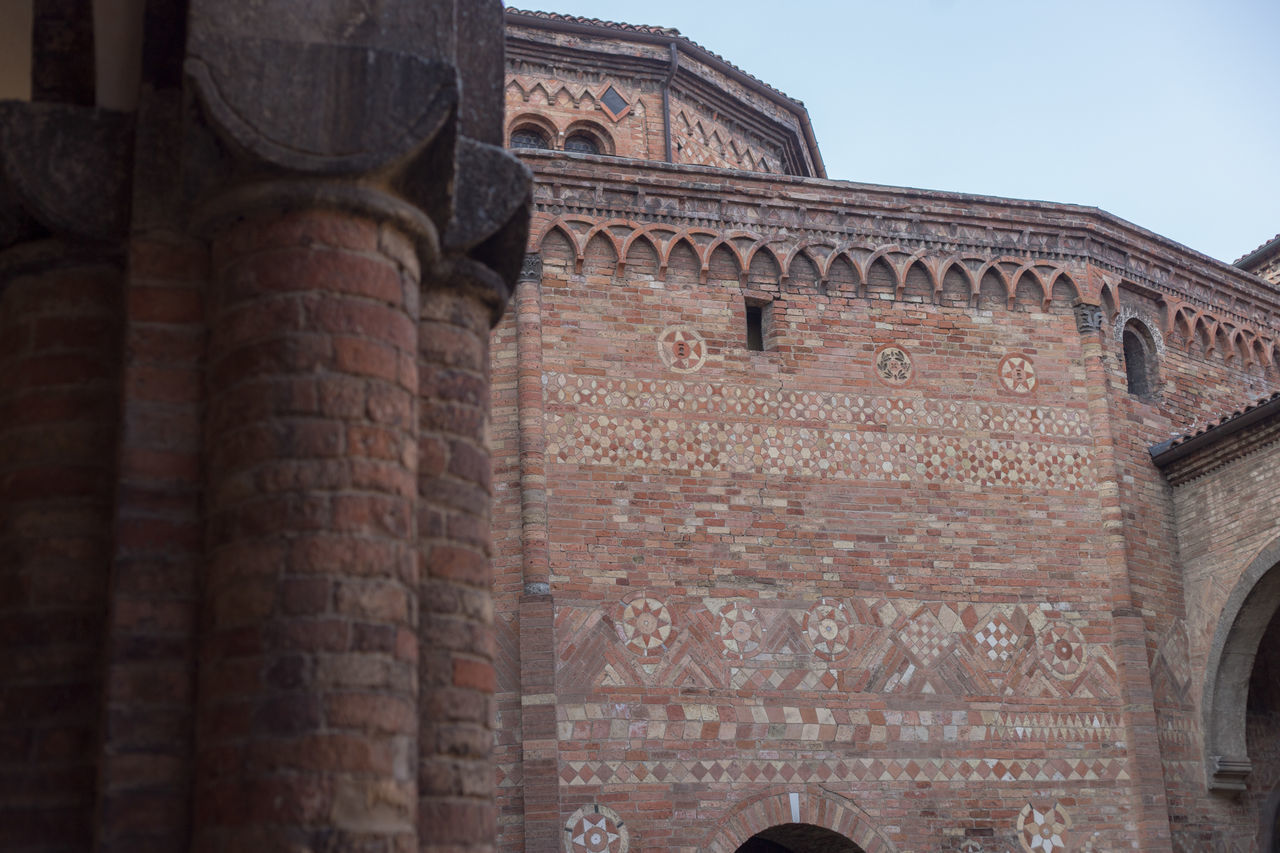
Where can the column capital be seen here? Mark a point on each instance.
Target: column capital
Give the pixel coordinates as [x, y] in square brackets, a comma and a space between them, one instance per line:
[362, 109]
[531, 268]
[65, 171]
[1088, 317]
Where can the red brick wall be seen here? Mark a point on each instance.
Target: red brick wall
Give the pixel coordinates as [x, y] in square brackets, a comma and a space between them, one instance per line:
[1225, 518]
[779, 494]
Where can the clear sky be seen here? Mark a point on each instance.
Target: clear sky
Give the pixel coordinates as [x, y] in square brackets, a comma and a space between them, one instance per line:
[1164, 112]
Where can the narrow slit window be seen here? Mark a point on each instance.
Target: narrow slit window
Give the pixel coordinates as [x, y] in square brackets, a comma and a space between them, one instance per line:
[755, 328]
[1137, 364]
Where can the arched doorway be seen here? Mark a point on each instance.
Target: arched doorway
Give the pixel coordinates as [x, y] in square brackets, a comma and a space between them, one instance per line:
[1238, 687]
[798, 838]
[808, 819]
[1262, 737]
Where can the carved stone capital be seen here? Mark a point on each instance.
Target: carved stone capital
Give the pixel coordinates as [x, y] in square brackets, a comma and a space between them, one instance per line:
[1229, 774]
[531, 269]
[65, 172]
[1088, 317]
[359, 108]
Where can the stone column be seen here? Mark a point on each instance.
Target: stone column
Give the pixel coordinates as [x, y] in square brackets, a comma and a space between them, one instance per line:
[1128, 631]
[538, 739]
[61, 180]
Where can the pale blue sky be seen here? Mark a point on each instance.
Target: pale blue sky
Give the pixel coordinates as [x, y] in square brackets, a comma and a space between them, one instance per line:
[1164, 113]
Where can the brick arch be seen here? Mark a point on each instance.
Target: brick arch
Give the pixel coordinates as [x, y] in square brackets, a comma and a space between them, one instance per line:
[809, 248]
[1068, 282]
[1026, 282]
[802, 804]
[1248, 611]
[537, 120]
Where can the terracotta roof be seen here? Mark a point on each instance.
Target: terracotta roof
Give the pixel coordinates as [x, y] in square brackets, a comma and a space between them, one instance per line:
[1220, 427]
[1274, 242]
[665, 32]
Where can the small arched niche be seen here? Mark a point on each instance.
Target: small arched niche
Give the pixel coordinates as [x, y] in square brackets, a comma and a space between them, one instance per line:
[1141, 366]
[798, 838]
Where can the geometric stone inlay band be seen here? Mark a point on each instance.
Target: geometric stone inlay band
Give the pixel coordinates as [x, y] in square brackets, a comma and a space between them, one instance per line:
[905, 769]
[702, 445]
[725, 400]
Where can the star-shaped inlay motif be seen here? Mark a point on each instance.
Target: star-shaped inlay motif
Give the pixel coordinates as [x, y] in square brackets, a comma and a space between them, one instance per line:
[682, 348]
[1018, 374]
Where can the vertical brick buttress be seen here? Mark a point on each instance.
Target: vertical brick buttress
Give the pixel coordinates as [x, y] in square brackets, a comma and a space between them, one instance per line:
[538, 741]
[1128, 632]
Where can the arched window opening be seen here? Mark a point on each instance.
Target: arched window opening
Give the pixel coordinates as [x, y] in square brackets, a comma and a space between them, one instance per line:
[582, 142]
[528, 136]
[1139, 361]
[798, 838]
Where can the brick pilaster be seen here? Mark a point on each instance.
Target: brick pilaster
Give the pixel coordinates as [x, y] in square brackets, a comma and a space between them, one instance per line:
[1128, 630]
[540, 753]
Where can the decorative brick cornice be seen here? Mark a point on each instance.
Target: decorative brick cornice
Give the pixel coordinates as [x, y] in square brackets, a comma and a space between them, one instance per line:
[808, 209]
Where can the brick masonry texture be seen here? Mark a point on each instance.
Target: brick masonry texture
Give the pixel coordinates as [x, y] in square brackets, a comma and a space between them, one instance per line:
[752, 511]
[910, 559]
[244, 485]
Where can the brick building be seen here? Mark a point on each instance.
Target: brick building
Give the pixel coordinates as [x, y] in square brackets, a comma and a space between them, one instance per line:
[777, 513]
[835, 517]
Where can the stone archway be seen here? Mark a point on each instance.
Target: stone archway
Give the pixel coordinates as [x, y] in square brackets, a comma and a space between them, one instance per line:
[784, 817]
[1245, 617]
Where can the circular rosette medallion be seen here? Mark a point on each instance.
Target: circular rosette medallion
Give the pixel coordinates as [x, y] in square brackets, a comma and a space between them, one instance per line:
[827, 626]
[646, 626]
[893, 365]
[682, 348]
[1062, 649]
[1043, 830]
[595, 829]
[1017, 374]
[740, 631]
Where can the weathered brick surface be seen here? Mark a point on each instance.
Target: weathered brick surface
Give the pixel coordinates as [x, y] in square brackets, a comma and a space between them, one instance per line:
[307, 718]
[59, 380]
